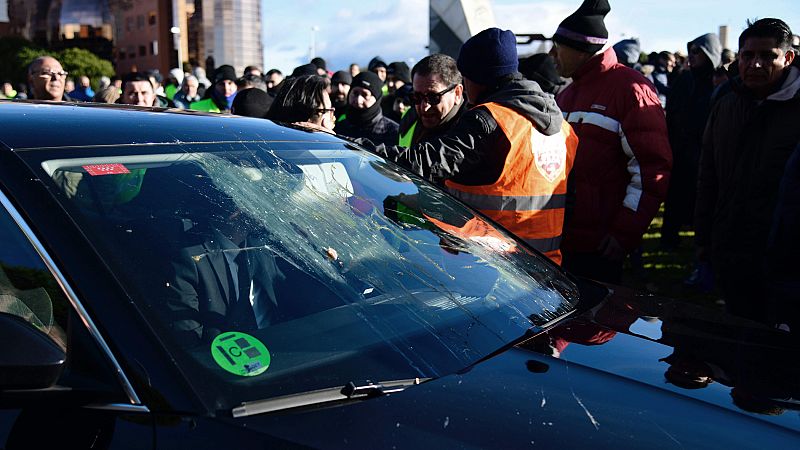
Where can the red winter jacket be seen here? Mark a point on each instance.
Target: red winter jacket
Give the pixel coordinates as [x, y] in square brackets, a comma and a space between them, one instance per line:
[623, 160]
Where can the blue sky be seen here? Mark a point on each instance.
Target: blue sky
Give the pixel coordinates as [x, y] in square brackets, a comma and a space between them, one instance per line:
[355, 31]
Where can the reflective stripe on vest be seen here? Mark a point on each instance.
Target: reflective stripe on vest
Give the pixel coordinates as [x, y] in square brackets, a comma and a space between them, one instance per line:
[511, 203]
[546, 245]
[529, 197]
[405, 139]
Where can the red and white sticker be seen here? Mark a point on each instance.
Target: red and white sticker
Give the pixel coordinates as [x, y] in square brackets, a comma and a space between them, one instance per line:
[105, 169]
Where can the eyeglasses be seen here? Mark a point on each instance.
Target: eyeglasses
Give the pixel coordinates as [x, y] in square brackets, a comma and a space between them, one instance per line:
[325, 110]
[432, 98]
[50, 74]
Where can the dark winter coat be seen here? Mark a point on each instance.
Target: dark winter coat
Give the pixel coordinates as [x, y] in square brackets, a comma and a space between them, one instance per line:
[783, 246]
[745, 149]
[688, 106]
[378, 129]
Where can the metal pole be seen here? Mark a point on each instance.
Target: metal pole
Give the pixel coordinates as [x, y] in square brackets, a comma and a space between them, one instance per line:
[176, 39]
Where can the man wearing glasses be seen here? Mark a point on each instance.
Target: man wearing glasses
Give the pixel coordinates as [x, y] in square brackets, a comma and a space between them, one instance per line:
[438, 99]
[46, 78]
[509, 155]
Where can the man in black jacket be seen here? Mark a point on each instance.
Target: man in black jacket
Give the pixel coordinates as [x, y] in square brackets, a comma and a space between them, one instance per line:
[438, 100]
[474, 150]
[364, 118]
[751, 132]
[688, 105]
[510, 155]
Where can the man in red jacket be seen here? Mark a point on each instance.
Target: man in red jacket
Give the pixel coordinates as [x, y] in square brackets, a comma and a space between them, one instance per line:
[623, 161]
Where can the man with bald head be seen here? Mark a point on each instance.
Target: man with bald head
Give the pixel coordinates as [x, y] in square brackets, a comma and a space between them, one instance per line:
[46, 79]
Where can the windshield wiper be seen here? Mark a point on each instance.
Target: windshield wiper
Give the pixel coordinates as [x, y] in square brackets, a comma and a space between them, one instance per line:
[353, 390]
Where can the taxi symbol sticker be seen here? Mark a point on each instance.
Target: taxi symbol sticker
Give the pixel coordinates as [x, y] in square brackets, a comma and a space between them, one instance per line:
[105, 169]
[240, 354]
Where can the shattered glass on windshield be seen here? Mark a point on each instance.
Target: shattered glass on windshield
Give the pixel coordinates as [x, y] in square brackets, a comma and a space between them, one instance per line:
[371, 272]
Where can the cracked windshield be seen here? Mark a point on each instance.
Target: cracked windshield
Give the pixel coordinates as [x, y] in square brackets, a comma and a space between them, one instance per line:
[272, 270]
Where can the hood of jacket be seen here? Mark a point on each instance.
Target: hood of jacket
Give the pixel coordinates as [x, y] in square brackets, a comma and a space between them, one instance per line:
[790, 88]
[527, 98]
[710, 45]
[628, 51]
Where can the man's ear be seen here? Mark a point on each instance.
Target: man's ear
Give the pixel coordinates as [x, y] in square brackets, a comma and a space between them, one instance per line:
[790, 55]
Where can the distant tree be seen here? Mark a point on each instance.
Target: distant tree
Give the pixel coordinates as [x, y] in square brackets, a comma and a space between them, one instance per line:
[16, 53]
[79, 62]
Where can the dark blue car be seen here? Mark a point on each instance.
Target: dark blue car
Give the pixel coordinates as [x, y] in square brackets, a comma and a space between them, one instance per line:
[180, 280]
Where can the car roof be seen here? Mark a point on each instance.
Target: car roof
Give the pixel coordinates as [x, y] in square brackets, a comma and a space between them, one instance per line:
[36, 124]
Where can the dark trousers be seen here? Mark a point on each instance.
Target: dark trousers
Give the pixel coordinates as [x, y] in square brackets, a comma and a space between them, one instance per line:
[742, 284]
[593, 266]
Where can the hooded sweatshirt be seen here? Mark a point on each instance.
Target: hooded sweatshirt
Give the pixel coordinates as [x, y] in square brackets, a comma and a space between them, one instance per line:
[688, 105]
[474, 150]
[709, 44]
[628, 52]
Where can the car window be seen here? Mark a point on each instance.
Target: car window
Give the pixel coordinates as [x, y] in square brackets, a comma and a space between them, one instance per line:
[27, 289]
[271, 269]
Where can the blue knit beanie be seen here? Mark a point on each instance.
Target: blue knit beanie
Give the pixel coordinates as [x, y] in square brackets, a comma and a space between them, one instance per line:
[488, 55]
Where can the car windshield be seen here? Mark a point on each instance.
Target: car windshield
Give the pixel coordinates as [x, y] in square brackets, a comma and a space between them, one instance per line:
[275, 268]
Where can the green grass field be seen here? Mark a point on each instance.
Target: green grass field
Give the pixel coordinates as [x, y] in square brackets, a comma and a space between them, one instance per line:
[663, 273]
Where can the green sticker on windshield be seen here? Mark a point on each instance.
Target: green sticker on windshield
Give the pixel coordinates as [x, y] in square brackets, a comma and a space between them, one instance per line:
[240, 354]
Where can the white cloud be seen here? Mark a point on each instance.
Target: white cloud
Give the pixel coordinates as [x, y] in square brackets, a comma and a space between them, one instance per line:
[344, 14]
[355, 31]
[394, 31]
[531, 18]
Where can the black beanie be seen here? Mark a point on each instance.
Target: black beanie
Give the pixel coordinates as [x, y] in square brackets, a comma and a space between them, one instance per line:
[400, 71]
[370, 82]
[375, 63]
[585, 30]
[320, 63]
[342, 76]
[305, 69]
[488, 55]
[541, 68]
[224, 72]
[251, 102]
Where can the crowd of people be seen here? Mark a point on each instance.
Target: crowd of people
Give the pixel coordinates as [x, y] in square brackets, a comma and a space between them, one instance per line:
[573, 151]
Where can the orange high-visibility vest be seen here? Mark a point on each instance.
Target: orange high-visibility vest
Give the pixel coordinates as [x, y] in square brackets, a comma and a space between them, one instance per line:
[478, 231]
[529, 197]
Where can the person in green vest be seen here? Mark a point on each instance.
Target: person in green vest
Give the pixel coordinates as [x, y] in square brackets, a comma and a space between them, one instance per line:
[220, 98]
[378, 66]
[438, 99]
[8, 90]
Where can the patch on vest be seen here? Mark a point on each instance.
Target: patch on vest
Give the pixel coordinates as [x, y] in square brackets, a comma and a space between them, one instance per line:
[549, 154]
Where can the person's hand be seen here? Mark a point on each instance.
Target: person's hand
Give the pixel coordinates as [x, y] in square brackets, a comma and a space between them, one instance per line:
[610, 249]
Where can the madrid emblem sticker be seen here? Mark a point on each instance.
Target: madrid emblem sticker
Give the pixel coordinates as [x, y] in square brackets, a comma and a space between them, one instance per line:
[549, 154]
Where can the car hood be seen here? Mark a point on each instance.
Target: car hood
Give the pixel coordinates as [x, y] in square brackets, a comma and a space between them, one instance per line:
[600, 380]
